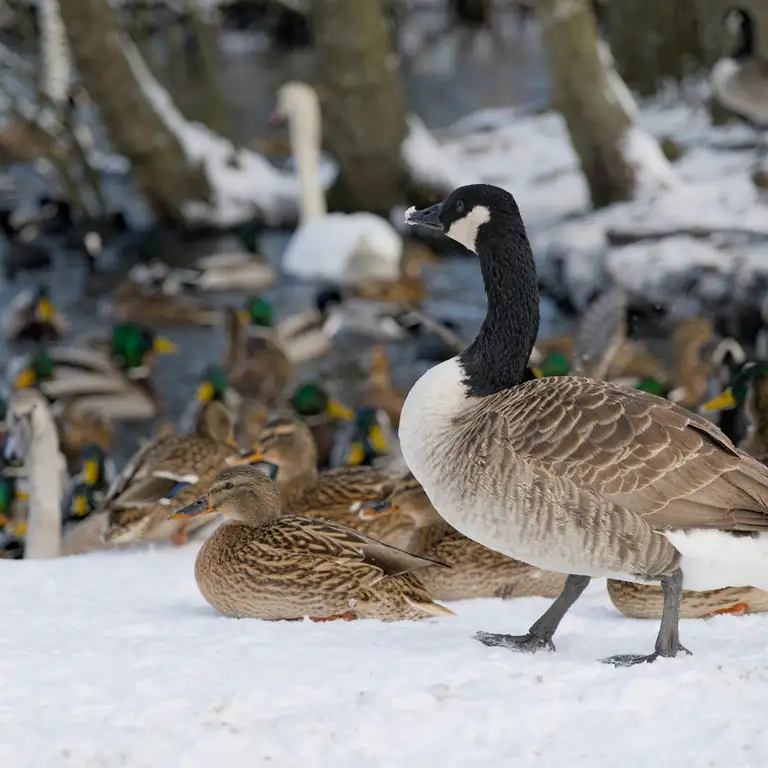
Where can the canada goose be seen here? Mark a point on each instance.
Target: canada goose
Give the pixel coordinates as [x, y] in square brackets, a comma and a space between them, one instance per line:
[347, 248]
[571, 474]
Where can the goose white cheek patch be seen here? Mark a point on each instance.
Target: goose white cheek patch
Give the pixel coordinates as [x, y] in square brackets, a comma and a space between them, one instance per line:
[464, 230]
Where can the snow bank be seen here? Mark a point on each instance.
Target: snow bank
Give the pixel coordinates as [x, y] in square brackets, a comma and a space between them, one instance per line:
[115, 660]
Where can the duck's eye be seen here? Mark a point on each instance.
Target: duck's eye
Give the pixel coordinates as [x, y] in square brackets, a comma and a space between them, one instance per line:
[229, 487]
[460, 206]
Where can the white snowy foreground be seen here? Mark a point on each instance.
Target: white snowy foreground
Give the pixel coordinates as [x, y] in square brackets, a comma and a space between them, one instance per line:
[115, 660]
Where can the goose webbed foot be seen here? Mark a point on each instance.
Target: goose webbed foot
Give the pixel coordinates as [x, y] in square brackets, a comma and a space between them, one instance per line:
[668, 641]
[540, 635]
[525, 643]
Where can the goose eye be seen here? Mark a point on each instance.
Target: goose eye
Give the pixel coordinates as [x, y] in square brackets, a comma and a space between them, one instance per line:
[460, 206]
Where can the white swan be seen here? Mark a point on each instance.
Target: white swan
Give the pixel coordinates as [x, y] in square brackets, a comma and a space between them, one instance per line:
[347, 248]
[32, 436]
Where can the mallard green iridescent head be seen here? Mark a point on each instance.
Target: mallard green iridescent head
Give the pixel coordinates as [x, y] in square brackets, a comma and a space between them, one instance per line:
[736, 393]
[40, 368]
[652, 386]
[131, 343]
[554, 364]
[7, 495]
[249, 235]
[258, 311]
[213, 385]
[368, 440]
[311, 399]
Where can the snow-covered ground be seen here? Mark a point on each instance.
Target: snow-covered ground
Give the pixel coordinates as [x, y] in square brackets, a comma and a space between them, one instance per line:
[115, 661]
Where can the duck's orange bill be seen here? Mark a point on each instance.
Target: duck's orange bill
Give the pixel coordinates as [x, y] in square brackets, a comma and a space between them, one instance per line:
[198, 507]
[245, 457]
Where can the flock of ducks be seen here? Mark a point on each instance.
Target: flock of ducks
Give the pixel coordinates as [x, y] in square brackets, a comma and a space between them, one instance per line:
[508, 473]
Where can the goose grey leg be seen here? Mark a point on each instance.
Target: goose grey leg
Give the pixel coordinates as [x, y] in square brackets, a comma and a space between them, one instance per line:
[540, 635]
[668, 640]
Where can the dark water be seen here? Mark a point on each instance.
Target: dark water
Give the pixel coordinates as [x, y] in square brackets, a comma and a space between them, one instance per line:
[443, 85]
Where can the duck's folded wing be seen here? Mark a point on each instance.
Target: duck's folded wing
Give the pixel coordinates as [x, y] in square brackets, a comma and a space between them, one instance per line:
[331, 542]
[673, 468]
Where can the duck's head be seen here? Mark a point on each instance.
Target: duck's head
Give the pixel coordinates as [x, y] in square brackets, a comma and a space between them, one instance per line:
[312, 400]
[328, 298]
[213, 385]
[83, 502]
[257, 312]
[92, 460]
[216, 422]
[288, 446]
[29, 421]
[39, 368]
[751, 378]
[242, 493]
[553, 364]
[133, 345]
[368, 440]
[7, 496]
[407, 498]
[42, 308]
[652, 385]
[471, 215]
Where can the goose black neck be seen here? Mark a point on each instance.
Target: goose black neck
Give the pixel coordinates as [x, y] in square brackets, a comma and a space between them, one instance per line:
[497, 358]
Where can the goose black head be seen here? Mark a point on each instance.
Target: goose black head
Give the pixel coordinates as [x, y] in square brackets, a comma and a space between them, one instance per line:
[468, 213]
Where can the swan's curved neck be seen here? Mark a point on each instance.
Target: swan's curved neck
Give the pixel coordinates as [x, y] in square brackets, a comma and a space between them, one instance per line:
[44, 464]
[304, 126]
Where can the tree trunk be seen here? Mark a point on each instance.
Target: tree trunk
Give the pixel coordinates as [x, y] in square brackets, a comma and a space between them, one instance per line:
[159, 164]
[582, 88]
[654, 41]
[362, 102]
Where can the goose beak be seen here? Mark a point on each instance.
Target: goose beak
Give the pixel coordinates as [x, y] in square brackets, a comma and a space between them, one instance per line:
[427, 217]
[198, 507]
[205, 392]
[721, 402]
[164, 346]
[370, 510]
[339, 412]
[25, 379]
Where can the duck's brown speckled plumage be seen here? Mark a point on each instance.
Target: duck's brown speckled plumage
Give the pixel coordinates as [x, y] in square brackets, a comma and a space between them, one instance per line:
[475, 570]
[334, 494]
[132, 503]
[264, 565]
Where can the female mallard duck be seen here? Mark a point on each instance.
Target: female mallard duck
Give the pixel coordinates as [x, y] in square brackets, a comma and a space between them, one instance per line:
[288, 446]
[572, 474]
[168, 472]
[136, 303]
[266, 564]
[692, 368]
[115, 383]
[256, 366]
[79, 430]
[322, 415]
[474, 570]
[33, 317]
[646, 601]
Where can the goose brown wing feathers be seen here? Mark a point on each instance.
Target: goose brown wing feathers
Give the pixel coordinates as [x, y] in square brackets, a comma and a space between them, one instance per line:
[634, 450]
